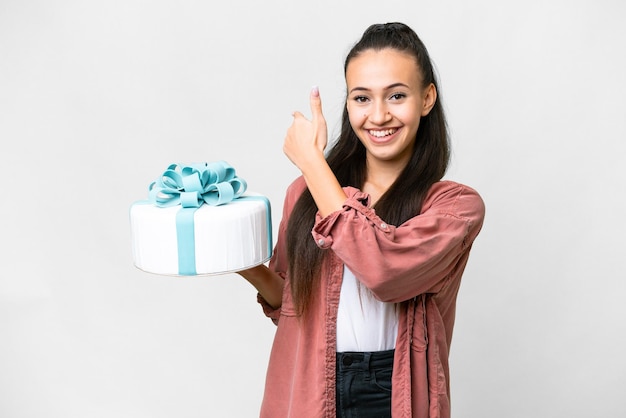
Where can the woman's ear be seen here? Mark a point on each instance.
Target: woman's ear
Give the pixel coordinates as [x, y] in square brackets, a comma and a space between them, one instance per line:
[430, 98]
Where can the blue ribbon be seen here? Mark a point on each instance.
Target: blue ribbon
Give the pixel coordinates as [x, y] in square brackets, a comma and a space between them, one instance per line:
[191, 186]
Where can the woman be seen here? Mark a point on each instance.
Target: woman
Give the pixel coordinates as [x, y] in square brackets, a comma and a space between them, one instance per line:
[371, 246]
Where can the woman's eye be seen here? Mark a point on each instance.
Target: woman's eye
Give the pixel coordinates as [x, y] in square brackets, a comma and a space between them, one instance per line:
[360, 99]
[398, 96]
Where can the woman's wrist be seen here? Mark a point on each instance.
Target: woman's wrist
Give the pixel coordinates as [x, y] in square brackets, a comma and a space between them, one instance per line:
[324, 187]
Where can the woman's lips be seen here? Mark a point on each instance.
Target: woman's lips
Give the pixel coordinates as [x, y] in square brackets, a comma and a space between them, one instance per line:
[382, 135]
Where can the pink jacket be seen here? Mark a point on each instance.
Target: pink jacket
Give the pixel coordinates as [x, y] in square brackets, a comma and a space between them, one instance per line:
[417, 265]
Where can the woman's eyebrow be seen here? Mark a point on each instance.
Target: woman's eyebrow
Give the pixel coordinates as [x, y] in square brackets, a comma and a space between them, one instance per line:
[389, 87]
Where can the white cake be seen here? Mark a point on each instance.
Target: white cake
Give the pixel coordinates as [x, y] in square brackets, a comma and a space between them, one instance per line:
[226, 230]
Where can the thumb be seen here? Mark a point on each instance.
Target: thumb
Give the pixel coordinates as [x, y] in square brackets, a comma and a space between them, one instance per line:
[316, 104]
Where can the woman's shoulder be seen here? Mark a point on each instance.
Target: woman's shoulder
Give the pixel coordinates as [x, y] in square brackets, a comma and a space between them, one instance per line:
[294, 190]
[454, 198]
[296, 187]
[444, 186]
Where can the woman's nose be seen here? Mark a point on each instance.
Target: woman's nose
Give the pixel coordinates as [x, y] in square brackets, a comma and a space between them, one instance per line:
[380, 114]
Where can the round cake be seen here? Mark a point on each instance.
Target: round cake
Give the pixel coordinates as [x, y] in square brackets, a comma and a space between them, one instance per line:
[198, 221]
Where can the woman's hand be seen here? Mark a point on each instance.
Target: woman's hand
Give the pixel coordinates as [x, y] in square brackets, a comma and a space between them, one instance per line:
[306, 139]
[304, 146]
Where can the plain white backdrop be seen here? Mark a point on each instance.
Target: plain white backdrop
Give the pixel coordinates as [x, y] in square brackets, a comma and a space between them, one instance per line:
[97, 98]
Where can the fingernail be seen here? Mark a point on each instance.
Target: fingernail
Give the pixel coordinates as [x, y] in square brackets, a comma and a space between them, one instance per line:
[315, 91]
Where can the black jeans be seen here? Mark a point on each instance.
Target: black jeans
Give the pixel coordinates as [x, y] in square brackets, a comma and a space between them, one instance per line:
[364, 384]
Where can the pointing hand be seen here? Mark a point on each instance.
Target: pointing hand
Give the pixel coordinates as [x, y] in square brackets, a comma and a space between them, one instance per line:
[307, 138]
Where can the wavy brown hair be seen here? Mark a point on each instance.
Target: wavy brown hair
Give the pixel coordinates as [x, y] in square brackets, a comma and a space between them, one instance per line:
[403, 200]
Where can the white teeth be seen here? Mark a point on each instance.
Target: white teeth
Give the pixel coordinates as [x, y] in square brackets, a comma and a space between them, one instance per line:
[380, 134]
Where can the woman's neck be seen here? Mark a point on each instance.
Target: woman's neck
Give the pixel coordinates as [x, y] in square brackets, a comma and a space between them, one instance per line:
[380, 176]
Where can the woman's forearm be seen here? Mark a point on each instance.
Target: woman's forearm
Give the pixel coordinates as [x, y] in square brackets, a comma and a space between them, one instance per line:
[267, 282]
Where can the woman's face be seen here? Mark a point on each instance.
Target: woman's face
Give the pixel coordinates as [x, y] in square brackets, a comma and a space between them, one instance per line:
[385, 102]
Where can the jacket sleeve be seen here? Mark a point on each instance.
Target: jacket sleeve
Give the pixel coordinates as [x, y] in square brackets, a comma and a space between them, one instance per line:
[399, 262]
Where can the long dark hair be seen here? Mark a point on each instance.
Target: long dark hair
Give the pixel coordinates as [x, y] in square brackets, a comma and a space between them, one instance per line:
[403, 200]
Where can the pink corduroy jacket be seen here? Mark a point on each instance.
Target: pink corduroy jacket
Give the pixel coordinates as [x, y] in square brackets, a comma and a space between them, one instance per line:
[417, 265]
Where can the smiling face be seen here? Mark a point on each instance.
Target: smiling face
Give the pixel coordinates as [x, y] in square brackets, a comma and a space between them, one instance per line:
[385, 102]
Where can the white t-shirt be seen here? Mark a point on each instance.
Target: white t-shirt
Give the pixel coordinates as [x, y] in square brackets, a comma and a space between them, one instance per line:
[363, 322]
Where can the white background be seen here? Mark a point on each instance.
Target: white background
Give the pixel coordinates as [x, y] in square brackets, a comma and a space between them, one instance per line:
[97, 98]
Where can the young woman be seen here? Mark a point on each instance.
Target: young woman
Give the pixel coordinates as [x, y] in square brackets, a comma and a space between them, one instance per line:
[371, 246]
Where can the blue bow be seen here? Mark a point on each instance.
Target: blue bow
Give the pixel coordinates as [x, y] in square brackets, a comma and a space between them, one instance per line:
[192, 185]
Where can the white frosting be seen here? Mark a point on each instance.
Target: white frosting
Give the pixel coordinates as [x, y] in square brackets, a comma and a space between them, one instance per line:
[228, 237]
